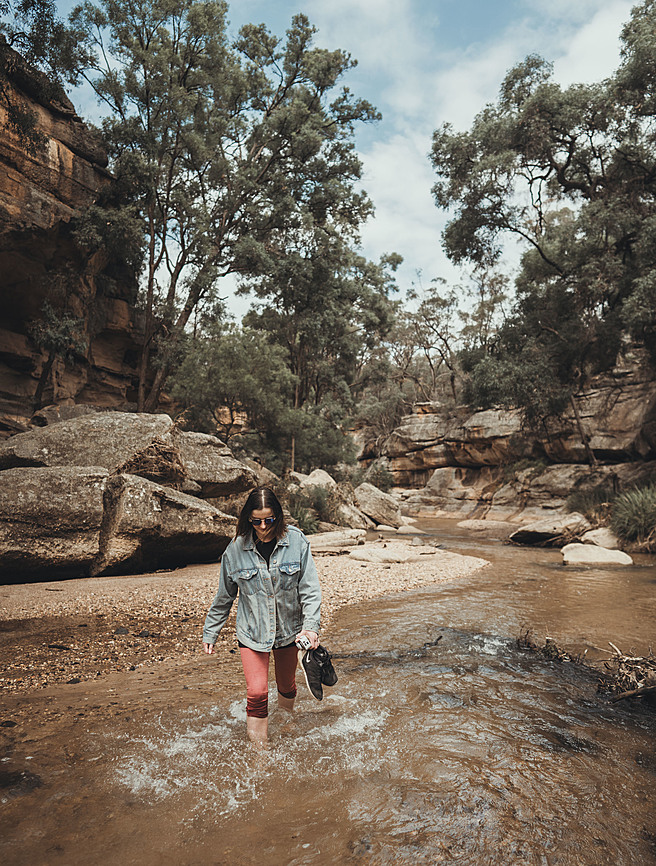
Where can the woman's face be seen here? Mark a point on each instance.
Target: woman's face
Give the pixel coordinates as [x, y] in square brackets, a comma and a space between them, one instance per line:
[263, 531]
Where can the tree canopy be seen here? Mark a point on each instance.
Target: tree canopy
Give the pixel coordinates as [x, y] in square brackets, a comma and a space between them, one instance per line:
[232, 154]
[571, 172]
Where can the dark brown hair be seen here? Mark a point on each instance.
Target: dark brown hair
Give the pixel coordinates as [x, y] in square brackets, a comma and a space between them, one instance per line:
[261, 497]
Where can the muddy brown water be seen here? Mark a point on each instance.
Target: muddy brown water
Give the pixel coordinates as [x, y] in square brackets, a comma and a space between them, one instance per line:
[463, 751]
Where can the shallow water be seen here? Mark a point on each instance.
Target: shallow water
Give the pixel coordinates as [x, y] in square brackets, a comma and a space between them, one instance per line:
[441, 743]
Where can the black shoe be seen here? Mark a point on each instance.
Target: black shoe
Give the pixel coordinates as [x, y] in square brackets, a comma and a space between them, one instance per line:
[328, 675]
[318, 669]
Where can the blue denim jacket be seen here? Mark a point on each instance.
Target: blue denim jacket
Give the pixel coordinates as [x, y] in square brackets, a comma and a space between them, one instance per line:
[275, 603]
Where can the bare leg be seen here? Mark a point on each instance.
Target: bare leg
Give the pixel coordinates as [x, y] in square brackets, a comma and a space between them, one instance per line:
[286, 703]
[258, 731]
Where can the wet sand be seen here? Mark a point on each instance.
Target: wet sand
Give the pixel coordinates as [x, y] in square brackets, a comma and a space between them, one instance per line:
[75, 631]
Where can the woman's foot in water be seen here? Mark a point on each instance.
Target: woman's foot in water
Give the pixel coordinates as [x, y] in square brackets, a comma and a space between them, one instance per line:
[258, 732]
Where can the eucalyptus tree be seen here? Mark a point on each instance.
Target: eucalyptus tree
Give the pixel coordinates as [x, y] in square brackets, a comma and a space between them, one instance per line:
[224, 149]
[571, 173]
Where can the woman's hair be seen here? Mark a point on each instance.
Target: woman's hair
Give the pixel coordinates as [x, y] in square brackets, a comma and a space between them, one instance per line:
[261, 497]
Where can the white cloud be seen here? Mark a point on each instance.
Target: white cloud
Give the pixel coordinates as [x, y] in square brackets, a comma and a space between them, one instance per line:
[594, 52]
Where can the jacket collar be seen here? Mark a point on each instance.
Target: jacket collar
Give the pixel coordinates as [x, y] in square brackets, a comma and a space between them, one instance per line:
[249, 541]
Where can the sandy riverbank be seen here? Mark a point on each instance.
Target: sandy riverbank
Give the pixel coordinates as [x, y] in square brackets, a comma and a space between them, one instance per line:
[77, 630]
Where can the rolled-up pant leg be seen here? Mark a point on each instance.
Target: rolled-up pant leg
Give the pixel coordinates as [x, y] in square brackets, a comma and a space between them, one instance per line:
[285, 659]
[256, 671]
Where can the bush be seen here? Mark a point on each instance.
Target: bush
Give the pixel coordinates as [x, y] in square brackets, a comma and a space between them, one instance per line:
[305, 520]
[376, 474]
[593, 502]
[633, 516]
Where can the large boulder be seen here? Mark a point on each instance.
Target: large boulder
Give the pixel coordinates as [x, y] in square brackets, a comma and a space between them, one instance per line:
[139, 444]
[77, 521]
[602, 537]
[379, 506]
[591, 554]
[339, 541]
[206, 461]
[50, 521]
[319, 478]
[107, 439]
[551, 530]
[147, 526]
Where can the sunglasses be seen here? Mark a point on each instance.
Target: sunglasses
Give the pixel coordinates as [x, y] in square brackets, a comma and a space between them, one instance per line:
[266, 520]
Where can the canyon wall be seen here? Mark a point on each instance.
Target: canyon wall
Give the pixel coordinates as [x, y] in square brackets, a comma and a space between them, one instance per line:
[43, 192]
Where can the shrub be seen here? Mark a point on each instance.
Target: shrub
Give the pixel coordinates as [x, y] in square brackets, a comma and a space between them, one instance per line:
[376, 474]
[305, 520]
[593, 502]
[633, 516]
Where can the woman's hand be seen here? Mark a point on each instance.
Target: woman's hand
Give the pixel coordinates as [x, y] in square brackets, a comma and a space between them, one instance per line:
[312, 636]
[209, 648]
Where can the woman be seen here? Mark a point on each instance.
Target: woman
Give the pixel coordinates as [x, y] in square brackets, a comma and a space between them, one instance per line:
[271, 567]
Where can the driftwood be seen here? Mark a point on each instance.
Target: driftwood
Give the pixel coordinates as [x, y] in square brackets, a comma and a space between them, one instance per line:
[630, 676]
[625, 676]
[550, 650]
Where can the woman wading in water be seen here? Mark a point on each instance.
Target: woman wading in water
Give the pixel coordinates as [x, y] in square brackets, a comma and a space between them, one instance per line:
[270, 565]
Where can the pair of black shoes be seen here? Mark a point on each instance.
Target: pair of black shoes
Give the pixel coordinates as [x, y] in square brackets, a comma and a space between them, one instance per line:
[318, 670]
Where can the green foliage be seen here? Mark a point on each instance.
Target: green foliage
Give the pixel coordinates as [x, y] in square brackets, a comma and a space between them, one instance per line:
[59, 333]
[236, 158]
[230, 373]
[305, 520]
[376, 474]
[633, 516]
[595, 503]
[535, 465]
[571, 173]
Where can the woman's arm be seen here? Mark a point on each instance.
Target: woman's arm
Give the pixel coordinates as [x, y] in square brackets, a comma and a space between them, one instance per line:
[220, 608]
[309, 593]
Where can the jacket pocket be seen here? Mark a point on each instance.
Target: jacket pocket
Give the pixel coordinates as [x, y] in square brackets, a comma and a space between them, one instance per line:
[289, 575]
[247, 580]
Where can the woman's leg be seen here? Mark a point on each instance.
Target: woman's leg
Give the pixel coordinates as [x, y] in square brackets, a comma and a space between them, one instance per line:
[285, 659]
[256, 671]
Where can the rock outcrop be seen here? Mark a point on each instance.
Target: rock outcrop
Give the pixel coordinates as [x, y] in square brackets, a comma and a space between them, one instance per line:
[617, 414]
[147, 445]
[97, 495]
[591, 554]
[42, 195]
[378, 506]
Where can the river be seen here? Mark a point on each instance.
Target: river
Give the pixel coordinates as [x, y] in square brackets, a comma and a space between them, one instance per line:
[441, 743]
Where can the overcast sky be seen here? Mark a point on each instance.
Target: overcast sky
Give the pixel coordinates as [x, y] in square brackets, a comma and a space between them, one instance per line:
[426, 62]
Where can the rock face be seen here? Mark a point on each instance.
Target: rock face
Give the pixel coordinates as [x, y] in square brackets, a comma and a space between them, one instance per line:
[92, 496]
[379, 506]
[485, 465]
[146, 445]
[42, 194]
[78, 521]
[617, 412]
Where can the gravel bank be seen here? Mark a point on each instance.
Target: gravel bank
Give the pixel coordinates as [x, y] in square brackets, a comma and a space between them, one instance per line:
[74, 630]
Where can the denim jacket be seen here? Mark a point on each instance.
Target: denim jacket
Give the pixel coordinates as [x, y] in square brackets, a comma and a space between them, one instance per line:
[275, 603]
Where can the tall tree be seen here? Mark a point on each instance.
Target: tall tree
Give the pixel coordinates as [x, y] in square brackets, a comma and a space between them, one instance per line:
[329, 308]
[228, 148]
[572, 173]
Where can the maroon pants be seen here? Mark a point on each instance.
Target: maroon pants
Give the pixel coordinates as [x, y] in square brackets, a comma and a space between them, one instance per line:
[256, 671]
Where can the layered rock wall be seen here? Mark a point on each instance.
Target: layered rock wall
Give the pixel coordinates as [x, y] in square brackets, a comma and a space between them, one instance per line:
[43, 191]
[486, 463]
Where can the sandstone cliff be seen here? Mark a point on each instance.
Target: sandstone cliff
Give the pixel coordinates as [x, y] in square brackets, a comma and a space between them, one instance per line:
[41, 196]
[486, 464]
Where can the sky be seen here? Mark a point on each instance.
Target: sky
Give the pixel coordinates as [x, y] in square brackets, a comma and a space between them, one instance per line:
[423, 63]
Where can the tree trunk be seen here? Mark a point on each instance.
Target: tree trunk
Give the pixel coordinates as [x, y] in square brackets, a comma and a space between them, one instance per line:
[43, 379]
[592, 460]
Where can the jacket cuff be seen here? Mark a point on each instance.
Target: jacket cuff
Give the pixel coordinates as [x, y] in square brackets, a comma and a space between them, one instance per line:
[312, 625]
